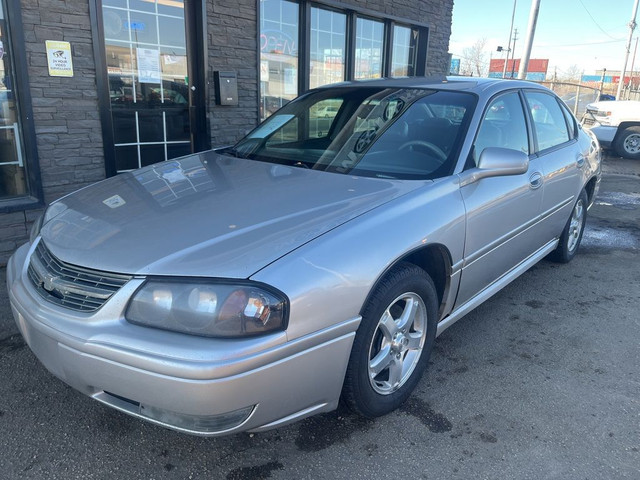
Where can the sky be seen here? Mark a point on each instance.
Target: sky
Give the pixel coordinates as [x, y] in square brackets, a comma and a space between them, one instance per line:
[589, 34]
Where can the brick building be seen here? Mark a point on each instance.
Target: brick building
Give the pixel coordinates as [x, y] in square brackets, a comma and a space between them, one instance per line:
[91, 88]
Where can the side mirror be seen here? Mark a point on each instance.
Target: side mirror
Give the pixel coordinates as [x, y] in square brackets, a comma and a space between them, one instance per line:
[496, 162]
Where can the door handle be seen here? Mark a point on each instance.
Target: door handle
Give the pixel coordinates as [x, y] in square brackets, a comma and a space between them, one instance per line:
[535, 180]
[580, 161]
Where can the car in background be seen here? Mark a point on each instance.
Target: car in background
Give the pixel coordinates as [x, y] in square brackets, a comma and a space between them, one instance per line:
[616, 124]
[328, 111]
[584, 99]
[248, 287]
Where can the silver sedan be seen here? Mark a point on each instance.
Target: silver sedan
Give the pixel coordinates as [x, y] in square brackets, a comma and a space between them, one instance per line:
[248, 287]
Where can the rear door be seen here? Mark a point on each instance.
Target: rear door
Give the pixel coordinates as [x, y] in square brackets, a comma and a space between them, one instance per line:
[556, 144]
[501, 211]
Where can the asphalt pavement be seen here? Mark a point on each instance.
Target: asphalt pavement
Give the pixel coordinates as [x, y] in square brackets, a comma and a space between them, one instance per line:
[540, 382]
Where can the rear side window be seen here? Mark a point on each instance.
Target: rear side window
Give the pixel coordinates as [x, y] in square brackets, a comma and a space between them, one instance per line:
[571, 122]
[549, 122]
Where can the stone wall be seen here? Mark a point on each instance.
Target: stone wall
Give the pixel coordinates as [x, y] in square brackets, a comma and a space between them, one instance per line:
[233, 45]
[65, 110]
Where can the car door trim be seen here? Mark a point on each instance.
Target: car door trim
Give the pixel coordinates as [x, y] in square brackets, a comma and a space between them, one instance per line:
[496, 286]
[469, 260]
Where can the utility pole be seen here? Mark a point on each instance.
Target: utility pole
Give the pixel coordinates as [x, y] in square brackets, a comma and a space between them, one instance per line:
[513, 60]
[531, 31]
[604, 74]
[633, 62]
[632, 26]
[513, 14]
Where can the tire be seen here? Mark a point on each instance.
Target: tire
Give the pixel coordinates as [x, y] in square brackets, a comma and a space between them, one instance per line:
[627, 143]
[572, 233]
[393, 342]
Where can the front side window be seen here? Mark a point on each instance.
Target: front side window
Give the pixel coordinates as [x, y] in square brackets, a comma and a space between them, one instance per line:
[278, 54]
[328, 47]
[549, 122]
[368, 131]
[369, 48]
[13, 168]
[503, 126]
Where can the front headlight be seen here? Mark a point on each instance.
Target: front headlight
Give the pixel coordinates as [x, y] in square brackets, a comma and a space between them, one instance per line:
[208, 308]
[51, 211]
[35, 228]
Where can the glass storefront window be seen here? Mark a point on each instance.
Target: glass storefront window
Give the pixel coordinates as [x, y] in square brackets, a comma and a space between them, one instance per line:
[145, 43]
[369, 47]
[403, 56]
[328, 47]
[13, 181]
[278, 54]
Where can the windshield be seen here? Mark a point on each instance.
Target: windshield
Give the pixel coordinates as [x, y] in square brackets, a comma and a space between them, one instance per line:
[368, 131]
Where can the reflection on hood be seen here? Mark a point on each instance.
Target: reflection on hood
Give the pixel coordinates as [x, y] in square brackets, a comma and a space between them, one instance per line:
[207, 215]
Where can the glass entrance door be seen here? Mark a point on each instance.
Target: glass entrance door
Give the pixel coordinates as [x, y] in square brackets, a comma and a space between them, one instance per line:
[149, 89]
[12, 174]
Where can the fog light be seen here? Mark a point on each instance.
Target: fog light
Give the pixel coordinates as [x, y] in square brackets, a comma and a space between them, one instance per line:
[199, 424]
[194, 424]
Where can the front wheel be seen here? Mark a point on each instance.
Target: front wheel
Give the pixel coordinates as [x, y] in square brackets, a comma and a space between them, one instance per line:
[393, 342]
[572, 233]
[627, 144]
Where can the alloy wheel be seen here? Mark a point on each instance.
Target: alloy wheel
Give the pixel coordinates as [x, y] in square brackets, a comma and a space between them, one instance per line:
[576, 225]
[397, 343]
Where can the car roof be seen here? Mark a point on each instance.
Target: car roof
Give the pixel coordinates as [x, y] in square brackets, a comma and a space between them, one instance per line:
[470, 84]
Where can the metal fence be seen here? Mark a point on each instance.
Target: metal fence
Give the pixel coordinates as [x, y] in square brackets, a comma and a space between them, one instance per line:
[629, 94]
[577, 96]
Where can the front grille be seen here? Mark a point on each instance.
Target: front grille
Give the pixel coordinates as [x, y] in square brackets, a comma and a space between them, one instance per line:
[588, 121]
[77, 288]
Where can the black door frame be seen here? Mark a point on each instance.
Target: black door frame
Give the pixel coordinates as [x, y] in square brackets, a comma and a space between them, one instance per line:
[195, 29]
[15, 48]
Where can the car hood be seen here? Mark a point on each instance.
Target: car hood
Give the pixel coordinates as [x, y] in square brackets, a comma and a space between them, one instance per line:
[206, 215]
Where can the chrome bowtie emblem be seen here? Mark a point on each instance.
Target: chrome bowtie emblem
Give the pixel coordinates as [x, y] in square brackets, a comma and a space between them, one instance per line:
[49, 282]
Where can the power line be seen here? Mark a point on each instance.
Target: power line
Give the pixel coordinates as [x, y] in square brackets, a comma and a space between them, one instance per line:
[587, 43]
[594, 20]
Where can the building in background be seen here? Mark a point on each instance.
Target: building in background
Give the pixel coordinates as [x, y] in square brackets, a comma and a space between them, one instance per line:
[536, 70]
[612, 77]
[91, 88]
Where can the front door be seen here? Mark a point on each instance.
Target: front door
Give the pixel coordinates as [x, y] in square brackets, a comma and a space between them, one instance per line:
[149, 57]
[501, 211]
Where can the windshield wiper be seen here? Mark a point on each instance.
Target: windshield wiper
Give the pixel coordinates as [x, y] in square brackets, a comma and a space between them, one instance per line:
[232, 152]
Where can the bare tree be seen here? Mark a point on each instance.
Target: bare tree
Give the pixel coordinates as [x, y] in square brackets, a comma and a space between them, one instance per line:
[573, 73]
[474, 59]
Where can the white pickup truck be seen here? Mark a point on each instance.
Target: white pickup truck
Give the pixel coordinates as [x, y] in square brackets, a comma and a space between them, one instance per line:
[616, 124]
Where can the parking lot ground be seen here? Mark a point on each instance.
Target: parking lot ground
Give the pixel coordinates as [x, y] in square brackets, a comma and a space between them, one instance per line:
[540, 382]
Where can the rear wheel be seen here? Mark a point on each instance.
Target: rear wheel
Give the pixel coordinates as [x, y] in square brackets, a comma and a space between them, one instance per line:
[572, 233]
[627, 143]
[393, 343]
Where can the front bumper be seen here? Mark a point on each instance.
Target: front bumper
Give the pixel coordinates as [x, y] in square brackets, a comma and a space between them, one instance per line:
[193, 384]
[604, 133]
